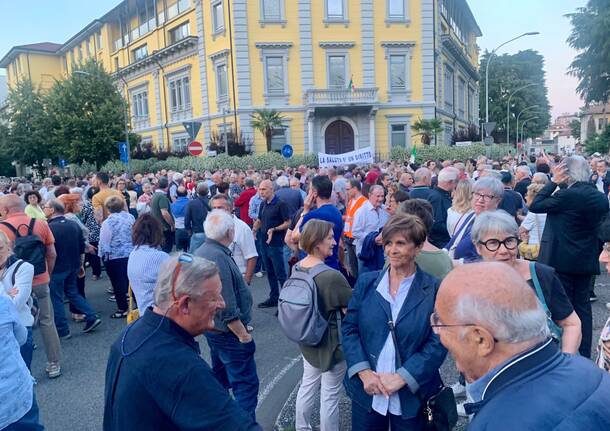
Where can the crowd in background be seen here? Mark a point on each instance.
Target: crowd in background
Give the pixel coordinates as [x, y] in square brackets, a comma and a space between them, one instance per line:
[516, 244]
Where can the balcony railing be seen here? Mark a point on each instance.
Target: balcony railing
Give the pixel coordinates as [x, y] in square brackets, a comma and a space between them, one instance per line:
[331, 97]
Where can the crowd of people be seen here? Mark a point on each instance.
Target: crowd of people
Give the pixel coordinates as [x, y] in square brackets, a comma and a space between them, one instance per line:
[493, 261]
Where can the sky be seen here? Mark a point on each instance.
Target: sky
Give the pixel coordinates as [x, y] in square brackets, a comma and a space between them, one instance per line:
[499, 20]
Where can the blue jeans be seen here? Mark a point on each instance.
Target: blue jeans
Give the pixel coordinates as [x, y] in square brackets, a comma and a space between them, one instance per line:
[287, 255]
[273, 259]
[260, 266]
[65, 283]
[29, 422]
[27, 350]
[196, 240]
[363, 420]
[234, 367]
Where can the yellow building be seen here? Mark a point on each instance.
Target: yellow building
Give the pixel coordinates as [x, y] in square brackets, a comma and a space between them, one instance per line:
[346, 74]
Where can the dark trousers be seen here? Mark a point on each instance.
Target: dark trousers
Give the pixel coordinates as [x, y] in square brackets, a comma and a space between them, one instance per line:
[234, 367]
[80, 285]
[94, 260]
[64, 283]
[29, 422]
[168, 241]
[273, 259]
[182, 240]
[117, 272]
[577, 287]
[260, 266]
[27, 349]
[351, 258]
[363, 420]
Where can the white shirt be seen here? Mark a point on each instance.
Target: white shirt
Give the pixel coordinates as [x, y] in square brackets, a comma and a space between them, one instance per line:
[242, 247]
[534, 224]
[366, 220]
[386, 362]
[453, 217]
[142, 270]
[23, 283]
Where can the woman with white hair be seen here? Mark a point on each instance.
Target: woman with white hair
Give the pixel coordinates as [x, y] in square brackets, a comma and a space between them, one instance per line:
[495, 234]
[486, 195]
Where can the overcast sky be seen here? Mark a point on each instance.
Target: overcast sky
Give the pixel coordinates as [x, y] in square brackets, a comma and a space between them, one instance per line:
[500, 20]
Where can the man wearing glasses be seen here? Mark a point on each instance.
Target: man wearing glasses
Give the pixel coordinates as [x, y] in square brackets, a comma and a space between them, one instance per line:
[156, 379]
[501, 343]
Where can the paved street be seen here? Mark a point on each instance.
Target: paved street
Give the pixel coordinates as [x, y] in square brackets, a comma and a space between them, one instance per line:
[75, 400]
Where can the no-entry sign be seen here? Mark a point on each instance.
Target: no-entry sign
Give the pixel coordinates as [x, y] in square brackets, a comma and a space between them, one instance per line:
[195, 148]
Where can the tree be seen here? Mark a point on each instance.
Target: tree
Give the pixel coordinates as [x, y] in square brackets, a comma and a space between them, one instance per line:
[599, 143]
[426, 129]
[590, 36]
[6, 167]
[26, 140]
[508, 73]
[86, 114]
[267, 121]
[575, 129]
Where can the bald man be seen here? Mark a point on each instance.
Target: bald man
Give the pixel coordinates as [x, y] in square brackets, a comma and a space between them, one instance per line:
[273, 221]
[492, 323]
[14, 218]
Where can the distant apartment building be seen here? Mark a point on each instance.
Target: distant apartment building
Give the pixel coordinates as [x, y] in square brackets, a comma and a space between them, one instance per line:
[594, 119]
[345, 74]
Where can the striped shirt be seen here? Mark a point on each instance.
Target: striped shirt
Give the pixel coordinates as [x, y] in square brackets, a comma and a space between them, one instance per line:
[142, 271]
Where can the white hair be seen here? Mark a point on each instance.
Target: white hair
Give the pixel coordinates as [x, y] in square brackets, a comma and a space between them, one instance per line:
[493, 222]
[282, 181]
[525, 170]
[492, 184]
[448, 175]
[578, 169]
[192, 275]
[217, 224]
[177, 177]
[421, 174]
[506, 323]
[540, 178]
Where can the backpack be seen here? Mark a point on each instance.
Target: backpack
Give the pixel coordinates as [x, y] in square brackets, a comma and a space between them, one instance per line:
[298, 312]
[29, 247]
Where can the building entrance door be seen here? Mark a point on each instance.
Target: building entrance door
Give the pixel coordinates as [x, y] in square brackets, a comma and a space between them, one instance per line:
[339, 138]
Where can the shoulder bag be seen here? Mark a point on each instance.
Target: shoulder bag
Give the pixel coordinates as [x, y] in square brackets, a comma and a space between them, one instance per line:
[530, 251]
[132, 313]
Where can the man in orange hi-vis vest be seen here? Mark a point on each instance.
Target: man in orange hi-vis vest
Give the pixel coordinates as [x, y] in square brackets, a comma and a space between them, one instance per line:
[353, 189]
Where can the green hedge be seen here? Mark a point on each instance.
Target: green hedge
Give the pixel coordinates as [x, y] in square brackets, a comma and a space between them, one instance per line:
[271, 160]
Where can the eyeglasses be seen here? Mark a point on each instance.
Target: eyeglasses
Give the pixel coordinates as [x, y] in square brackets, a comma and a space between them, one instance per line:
[435, 323]
[486, 198]
[493, 244]
[183, 258]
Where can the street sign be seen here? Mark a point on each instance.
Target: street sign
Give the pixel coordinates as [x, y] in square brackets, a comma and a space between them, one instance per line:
[195, 148]
[463, 143]
[62, 163]
[287, 151]
[489, 127]
[488, 140]
[192, 128]
[123, 153]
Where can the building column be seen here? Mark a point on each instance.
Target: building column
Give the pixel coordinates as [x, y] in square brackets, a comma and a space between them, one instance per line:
[310, 132]
[372, 142]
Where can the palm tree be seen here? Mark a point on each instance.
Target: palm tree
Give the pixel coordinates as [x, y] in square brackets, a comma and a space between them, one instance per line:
[267, 121]
[426, 129]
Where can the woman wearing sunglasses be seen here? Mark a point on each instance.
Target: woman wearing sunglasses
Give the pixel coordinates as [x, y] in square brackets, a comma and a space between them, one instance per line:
[495, 235]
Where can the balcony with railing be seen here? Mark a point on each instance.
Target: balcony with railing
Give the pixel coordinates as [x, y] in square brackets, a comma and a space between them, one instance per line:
[338, 97]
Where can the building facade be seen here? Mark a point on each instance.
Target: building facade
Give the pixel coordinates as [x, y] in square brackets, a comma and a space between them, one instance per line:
[345, 74]
[593, 120]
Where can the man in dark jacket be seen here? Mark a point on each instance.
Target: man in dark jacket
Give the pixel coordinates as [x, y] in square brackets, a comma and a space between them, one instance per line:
[523, 178]
[519, 380]
[70, 248]
[231, 346]
[156, 379]
[440, 199]
[569, 242]
[601, 177]
[421, 186]
[196, 212]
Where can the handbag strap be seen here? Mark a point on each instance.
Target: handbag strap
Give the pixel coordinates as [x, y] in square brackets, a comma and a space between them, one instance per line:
[538, 288]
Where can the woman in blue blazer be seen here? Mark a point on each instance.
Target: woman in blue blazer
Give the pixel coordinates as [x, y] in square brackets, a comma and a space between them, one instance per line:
[392, 354]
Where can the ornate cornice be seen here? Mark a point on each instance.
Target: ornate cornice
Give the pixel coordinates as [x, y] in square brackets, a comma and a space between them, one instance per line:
[219, 54]
[337, 45]
[273, 45]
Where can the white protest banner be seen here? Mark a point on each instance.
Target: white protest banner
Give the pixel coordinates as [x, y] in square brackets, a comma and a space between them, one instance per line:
[359, 157]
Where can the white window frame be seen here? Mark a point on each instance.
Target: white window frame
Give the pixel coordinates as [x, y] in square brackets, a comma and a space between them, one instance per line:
[404, 49]
[183, 140]
[402, 19]
[446, 104]
[345, 55]
[281, 19]
[140, 108]
[461, 97]
[136, 53]
[217, 29]
[399, 120]
[275, 50]
[220, 97]
[328, 19]
[179, 28]
[176, 80]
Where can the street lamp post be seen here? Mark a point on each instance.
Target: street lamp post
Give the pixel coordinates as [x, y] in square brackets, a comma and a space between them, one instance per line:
[523, 125]
[508, 109]
[531, 33]
[519, 116]
[125, 116]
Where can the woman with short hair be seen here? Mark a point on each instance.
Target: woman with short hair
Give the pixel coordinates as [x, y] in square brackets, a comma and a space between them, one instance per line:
[392, 354]
[323, 364]
[33, 208]
[114, 248]
[487, 193]
[496, 237]
[145, 259]
[87, 215]
[461, 206]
